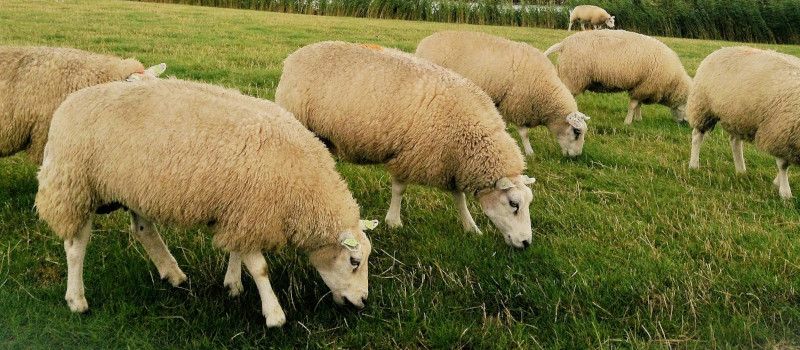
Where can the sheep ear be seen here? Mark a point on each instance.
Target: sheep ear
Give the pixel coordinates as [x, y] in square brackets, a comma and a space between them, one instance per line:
[504, 184]
[577, 120]
[368, 224]
[528, 180]
[158, 69]
[349, 242]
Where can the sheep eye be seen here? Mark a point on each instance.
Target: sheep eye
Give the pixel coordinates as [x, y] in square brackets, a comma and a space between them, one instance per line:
[577, 133]
[514, 205]
[355, 262]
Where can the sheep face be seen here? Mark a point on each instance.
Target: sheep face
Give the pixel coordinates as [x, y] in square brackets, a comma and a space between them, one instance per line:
[572, 134]
[343, 266]
[506, 204]
[610, 22]
[679, 113]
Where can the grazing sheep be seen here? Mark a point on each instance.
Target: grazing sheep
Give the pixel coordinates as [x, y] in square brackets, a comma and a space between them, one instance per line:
[520, 80]
[617, 60]
[35, 80]
[755, 95]
[427, 124]
[592, 14]
[188, 153]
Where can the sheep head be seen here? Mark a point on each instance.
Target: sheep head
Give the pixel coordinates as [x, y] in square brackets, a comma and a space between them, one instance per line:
[572, 134]
[507, 205]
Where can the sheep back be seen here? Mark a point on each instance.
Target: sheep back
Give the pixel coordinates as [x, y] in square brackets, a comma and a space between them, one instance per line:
[427, 124]
[33, 83]
[188, 153]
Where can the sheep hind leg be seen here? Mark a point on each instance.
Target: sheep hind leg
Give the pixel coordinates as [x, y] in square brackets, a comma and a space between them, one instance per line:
[697, 141]
[782, 179]
[76, 252]
[526, 143]
[393, 215]
[637, 113]
[583, 26]
[466, 219]
[738, 156]
[631, 111]
[569, 27]
[270, 307]
[233, 277]
[147, 233]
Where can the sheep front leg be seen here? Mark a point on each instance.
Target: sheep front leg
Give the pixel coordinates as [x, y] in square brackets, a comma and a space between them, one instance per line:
[782, 180]
[463, 211]
[738, 156]
[697, 141]
[270, 307]
[631, 111]
[637, 114]
[526, 143]
[233, 277]
[583, 26]
[147, 233]
[76, 251]
[393, 215]
[569, 28]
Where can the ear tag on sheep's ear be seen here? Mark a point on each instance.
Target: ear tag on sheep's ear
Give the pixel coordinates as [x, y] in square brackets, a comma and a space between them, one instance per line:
[528, 180]
[504, 184]
[351, 244]
[158, 69]
[369, 224]
[577, 120]
[135, 76]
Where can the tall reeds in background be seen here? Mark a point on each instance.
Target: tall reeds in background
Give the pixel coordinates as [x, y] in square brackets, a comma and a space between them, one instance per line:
[765, 21]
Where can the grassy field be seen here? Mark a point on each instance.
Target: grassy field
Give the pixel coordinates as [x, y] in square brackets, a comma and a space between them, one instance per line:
[630, 249]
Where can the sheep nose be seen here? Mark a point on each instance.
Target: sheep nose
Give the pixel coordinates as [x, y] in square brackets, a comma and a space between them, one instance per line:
[526, 243]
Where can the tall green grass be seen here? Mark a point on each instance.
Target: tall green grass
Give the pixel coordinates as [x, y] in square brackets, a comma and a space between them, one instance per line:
[765, 21]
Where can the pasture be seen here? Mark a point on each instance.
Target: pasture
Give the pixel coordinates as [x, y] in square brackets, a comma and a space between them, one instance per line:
[630, 248]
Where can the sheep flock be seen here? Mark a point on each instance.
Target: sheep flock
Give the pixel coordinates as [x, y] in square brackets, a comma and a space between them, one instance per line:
[110, 135]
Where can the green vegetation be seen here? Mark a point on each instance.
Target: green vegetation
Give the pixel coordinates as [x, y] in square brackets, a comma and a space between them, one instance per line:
[631, 249]
[764, 21]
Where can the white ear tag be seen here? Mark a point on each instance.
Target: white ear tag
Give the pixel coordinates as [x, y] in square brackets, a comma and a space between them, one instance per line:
[369, 224]
[351, 244]
[577, 120]
[504, 184]
[158, 69]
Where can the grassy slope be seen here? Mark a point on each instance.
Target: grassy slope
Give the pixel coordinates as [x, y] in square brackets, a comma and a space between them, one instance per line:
[630, 248]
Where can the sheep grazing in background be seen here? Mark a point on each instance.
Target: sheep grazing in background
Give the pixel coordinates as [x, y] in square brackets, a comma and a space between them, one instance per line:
[755, 95]
[427, 124]
[188, 153]
[591, 14]
[35, 80]
[520, 80]
[618, 60]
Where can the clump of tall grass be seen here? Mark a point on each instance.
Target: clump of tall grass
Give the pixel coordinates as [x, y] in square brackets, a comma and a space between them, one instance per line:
[768, 21]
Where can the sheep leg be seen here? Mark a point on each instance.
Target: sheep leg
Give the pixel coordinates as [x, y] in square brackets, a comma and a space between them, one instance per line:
[233, 277]
[270, 307]
[569, 27]
[147, 233]
[393, 215]
[526, 143]
[782, 180]
[637, 114]
[738, 156]
[697, 141]
[76, 251]
[583, 26]
[466, 218]
[631, 110]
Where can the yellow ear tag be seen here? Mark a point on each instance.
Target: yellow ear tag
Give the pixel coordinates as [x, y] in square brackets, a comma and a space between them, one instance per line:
[351, 244]
[370, 224]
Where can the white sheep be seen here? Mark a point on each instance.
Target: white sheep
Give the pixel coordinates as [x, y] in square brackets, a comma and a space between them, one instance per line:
[35, 80]
[520, 80]
[427, 124]
[755, 95]
[591, 14]
[618, 60]
[188, 153]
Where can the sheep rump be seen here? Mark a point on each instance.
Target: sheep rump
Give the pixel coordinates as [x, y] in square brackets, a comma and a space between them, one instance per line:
[755, 96]
[33, 83]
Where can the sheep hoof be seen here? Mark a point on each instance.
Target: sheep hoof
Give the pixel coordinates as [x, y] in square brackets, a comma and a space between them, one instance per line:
[174, 276]
[276, 318]
[77, 304]
[473, 229]
[694, 165]
[234, 288]
[393, 223]
[786, 194]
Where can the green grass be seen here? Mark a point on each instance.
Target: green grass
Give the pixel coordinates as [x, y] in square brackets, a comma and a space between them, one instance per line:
[631, 249]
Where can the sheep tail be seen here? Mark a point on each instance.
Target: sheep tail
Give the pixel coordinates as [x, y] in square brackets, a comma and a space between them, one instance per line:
[553, 49]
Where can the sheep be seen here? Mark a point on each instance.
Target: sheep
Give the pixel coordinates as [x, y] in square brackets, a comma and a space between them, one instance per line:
[592, 14]
[520, 80]
[428, 125]
[618, 60]
[188, 153]
[755, 95]
[35, 80]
